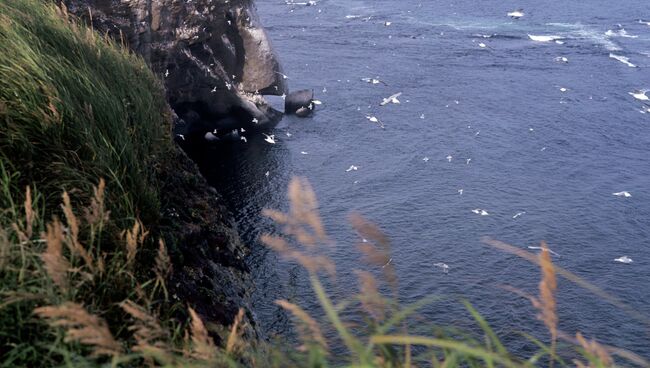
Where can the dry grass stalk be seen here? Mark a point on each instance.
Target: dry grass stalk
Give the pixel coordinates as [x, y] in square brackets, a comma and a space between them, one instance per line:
[148, 334]
[309, 330]
[73, 225]
[371, 300]
[376, 249]
[5, 249]
[134, 239]
[25, 233]
[233, 337]
[96, 212]
[312, 263]
[203, 347]
[593, 348]
[303, 221]
[56, 265]
[30, 215]
[82, 327]
[163, 262]
[546, 303]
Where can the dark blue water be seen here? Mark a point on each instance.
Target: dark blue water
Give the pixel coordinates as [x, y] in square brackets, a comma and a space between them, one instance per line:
[551, 139]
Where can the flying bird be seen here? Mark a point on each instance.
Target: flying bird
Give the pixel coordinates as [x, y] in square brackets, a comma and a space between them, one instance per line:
[622, 194]
[640, 95]
[392, 99]
[516, 14]
[269, 138]
[376, 121]
[624, 259]
[352, 168]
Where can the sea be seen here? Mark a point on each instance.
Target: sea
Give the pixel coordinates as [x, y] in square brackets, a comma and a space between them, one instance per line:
[519, 130]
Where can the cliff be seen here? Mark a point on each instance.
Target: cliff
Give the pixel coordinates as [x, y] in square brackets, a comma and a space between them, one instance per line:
[84, 118]
[213, 56]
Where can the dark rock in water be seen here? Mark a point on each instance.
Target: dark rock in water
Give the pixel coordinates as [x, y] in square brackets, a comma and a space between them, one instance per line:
[300, 103]
[213, 56]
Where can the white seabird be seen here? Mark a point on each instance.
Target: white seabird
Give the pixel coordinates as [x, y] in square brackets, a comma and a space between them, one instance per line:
[391, 99]
[640, 95]
[549, 250]
[518, 214]
[624, 259]
[269, 138]
[352, 168]
[449, 158]
[375, 120]
[516, 14]
[444, 266]
[622, 194]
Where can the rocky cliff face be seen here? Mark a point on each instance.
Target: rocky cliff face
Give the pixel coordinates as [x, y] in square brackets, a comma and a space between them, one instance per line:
[213, 55]
[216, 63]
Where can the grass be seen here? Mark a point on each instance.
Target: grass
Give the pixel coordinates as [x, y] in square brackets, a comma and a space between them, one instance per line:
[83, 269]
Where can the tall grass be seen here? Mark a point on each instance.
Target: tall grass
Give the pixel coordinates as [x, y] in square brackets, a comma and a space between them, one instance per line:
[385, 341]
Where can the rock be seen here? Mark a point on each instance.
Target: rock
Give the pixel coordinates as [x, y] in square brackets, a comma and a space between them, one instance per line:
[214, 56]
[300, 103]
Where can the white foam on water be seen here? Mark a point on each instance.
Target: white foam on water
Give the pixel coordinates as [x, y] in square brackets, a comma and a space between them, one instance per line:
[619, 33]
[623, 59]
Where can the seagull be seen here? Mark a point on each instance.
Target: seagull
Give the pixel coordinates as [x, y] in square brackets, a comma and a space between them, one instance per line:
[269, 138]
[391, 99]
[563, 89]
[516, 14]
[166, 73]
[540, 248]
[444, 266]
[482, 45]
[460, 192]
[267, 174]
[288, 134]
[640, 95]
[426, 159]
[624, 259]
[518, 214]
[622, 194]
[214, 90]
[304, 153]
[374, 81]
[468, 161]
[449, 157]
[561, 59]
[388, 24]
[210, 137]
[481, 212]
[243, 139]
[181, 136]
[241, 130]
[375, 120]
[422, 116]
[387, 263]
[352, 168]
[255, 121]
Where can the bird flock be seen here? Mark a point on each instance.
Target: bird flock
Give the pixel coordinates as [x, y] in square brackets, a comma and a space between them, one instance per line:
[516, 15]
